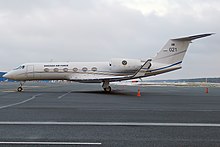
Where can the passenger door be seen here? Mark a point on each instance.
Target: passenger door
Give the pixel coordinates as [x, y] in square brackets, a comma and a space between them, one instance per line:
[30, 72]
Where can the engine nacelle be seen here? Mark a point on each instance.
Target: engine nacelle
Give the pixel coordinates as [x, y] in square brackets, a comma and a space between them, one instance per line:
[125, 65]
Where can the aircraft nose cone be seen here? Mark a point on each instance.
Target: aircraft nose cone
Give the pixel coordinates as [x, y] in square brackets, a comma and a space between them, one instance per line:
[7, 75]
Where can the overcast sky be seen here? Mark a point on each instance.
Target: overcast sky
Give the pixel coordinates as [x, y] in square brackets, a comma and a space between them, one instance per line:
[98, 30]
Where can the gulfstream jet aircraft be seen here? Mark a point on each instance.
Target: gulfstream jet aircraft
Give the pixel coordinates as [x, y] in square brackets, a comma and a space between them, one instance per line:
[169, 58]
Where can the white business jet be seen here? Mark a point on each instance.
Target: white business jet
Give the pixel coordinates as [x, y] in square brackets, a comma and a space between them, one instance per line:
[169, 58]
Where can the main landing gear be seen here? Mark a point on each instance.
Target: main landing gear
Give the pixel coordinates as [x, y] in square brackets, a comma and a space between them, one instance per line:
[20, 89]
[106, 86]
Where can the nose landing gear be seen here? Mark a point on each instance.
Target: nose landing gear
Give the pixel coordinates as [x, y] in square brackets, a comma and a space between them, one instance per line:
[20, 89]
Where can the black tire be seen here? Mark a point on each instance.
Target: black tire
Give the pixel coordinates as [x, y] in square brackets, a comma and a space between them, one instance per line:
[108, 89]
[20, 89]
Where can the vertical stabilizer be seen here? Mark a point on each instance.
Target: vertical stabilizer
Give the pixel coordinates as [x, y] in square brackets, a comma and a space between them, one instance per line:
[175, 49]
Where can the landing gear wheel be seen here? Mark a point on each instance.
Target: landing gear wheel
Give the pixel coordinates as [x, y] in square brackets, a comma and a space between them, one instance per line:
[108, 89]
[19, 89]
[106, 86]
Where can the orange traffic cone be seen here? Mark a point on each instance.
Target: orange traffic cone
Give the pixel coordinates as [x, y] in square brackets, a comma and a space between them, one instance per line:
[206, 90]
[139, 92]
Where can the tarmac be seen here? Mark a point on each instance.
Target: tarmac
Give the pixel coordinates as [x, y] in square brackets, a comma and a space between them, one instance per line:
[72, 114]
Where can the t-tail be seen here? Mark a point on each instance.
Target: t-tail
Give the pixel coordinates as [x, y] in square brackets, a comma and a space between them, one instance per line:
[171, 55]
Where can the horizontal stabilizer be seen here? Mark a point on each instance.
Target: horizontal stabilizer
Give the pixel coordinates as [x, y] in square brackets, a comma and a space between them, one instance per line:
[189, 38]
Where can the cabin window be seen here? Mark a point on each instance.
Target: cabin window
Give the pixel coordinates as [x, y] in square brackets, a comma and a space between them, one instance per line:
[75, 69]
[65, 69]
[84, 69]
[55, 69]
[46, 69]
[94, 69]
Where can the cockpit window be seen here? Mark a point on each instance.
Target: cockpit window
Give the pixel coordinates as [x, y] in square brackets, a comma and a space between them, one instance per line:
[17, 68]
[20, 67]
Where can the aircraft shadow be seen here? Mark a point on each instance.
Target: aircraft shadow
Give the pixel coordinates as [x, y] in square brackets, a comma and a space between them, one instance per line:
[101, 92]
[114, 92]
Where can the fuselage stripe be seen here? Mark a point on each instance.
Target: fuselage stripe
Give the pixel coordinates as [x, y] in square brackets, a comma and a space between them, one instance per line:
[165, 67]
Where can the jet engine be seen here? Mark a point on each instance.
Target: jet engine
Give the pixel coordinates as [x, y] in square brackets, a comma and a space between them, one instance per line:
[125, 65]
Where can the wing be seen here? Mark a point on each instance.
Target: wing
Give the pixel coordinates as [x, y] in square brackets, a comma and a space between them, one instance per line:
[97, 78]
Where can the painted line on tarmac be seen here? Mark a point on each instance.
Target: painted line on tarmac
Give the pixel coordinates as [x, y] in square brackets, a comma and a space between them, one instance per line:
[9, 91]
[18, 103]
[51, 143]
[64, 95]
[145, 109]
[113, 124]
